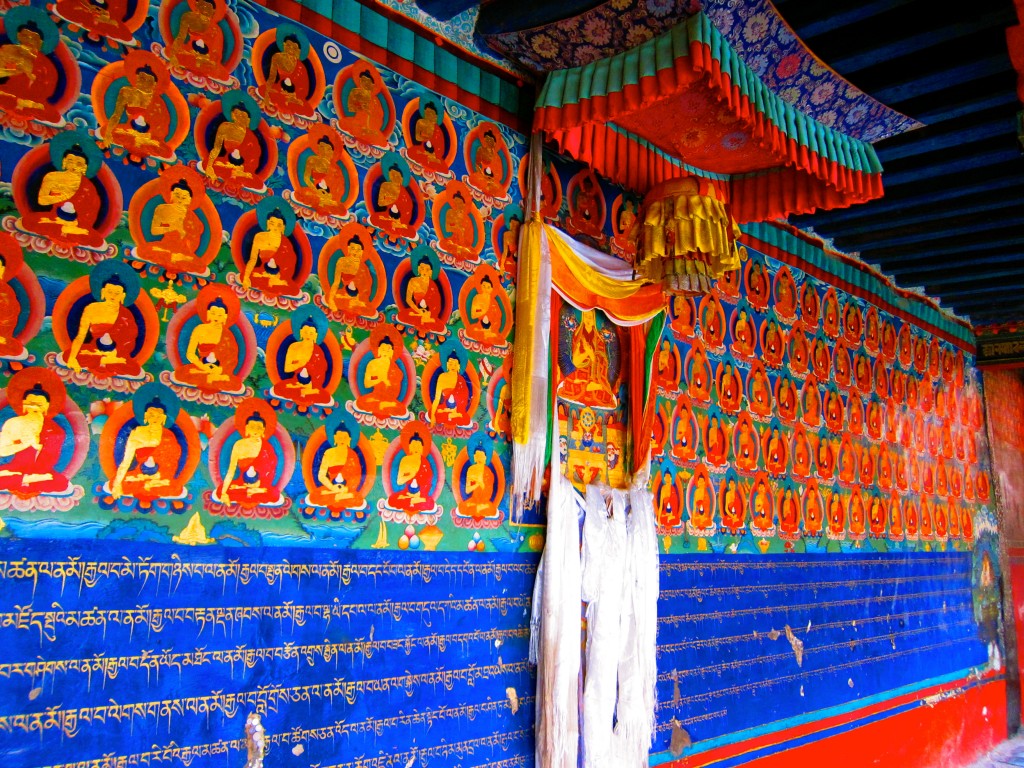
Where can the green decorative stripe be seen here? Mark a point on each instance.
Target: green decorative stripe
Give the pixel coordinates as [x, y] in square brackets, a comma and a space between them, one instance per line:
[401, 41]
[861, 276]
[612, 75]
[675, 161]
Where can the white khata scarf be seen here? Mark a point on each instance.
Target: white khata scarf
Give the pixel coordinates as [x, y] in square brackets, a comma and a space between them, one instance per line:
[620, 586]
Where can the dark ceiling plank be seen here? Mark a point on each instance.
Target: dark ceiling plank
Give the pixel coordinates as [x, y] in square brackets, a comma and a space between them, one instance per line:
[893, 256]
[962, 26]
[947, 273]
[986, 99]
[943, 79]
[1009, 279]
[830, 22]
[955, 297]
[967, 228]
[898, 204]
[941, 214]
[959, 164]
[1002, 126]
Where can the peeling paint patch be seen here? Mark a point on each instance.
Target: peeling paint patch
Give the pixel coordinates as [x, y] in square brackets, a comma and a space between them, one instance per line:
[513, 699]
[797, 645]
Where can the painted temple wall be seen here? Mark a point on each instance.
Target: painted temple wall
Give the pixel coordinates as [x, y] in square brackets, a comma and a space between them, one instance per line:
[299, 514]
[1004, 399]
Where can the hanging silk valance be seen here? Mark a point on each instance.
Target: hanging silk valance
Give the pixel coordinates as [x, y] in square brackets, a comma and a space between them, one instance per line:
[626, 116]
[591, 279]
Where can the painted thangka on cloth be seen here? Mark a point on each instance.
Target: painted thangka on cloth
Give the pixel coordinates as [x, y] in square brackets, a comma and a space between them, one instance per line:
[256, 289]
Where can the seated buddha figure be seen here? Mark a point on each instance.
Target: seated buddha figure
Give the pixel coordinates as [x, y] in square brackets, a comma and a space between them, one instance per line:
[588, 378]
[236, 154]
[776, 451]
[871, 331]
[32, 441]
[772, 344]
[712, 320]
[814, 516]
[877, 516]
[732, 504]
[326, 177]
[184, 231]
[683, 315]
[107, 333]
[141, 118]
[459, 226]
[249, 480]
[11, 261]
[486, 311]
[757, 285]
[848, 455]
[821, 360]
[716, 440]
[811, 403]
[212, 354]
[785, 294]
[30, 76]
[826, 458]
[416, 475]
[355, 272]
[199, 44]
[586, 207]
[789, 512]
[303, 358]
[701, 502]
[746, 447]
[799, 351]
[684, 431]
[853, 323]
[148, 468]
[762, 507]
[666, 367]
[667, 500]
[393, 203]
[507, 243]
[830, 314]
[272, 262]
[288, 87]
[449, 393]
[858, 516]
[834, 410]
[339, 469]
[430, 141]
[836, 514]
[759, 395]
[841, 365]
[419, 295]
[810, 305]
[786, 398]
[698, 372]
[730, 388]
[379, 381]
[802, 452]
[490, 162]
[479, 487]
[744, 335]
[71, 199]
[364, 101]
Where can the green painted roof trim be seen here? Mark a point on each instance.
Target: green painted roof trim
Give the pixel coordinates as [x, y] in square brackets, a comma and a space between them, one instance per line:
[849, 273]
[690, 169]
[611, 75]
[403, 42]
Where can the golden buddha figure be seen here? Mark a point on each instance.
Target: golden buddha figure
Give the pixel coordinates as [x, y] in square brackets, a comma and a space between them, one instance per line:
[147, 120]
[199, 41]
[107, 332]
[150, 458]
[74, 203]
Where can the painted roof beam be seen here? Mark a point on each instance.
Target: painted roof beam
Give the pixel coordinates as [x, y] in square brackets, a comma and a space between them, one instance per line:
[1003, 126]
[941, 214]
[964, 229]
[961, 165]
[952, 111]
[916, 254]
[831, 23]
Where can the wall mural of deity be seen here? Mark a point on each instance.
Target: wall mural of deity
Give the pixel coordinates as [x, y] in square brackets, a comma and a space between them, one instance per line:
[251, 227]
[231, 247]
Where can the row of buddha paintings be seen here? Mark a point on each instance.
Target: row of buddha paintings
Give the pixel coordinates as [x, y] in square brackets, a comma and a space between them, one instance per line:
[153, 108]
[251, 277]
[776, 449]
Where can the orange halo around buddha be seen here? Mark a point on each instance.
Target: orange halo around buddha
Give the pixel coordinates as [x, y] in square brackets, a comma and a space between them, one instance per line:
[485, 307]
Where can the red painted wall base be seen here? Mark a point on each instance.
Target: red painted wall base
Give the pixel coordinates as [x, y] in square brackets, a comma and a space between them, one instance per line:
[946, 733]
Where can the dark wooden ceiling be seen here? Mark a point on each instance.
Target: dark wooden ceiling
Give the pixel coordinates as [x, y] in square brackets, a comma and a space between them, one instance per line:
[952, 219]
